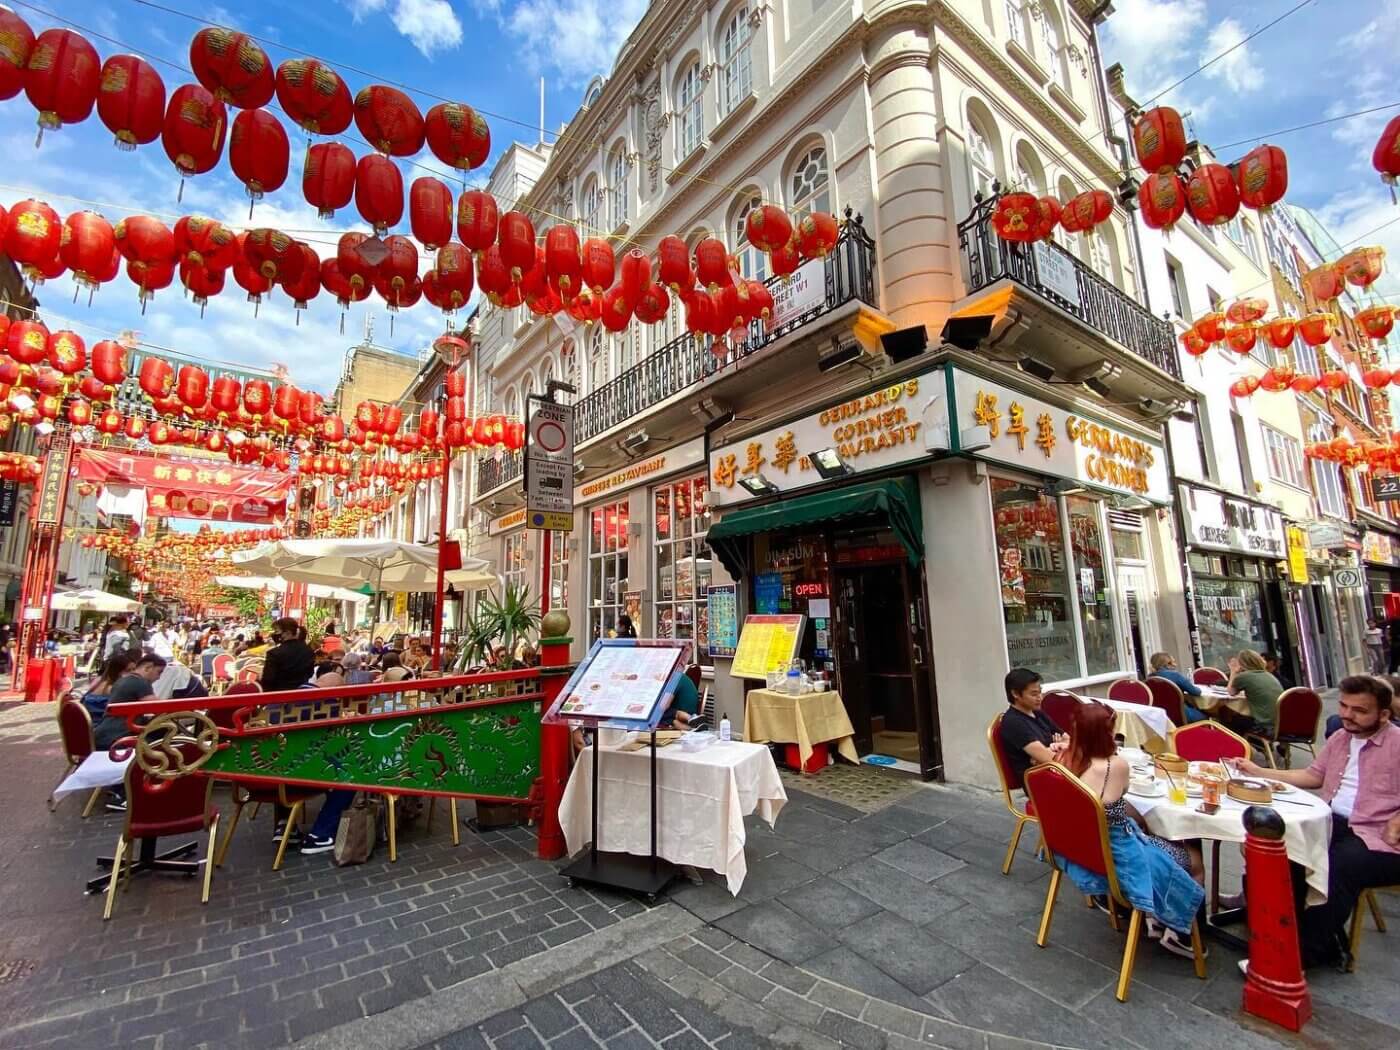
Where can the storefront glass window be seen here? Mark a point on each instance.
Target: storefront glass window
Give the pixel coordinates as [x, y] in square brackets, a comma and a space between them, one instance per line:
[607, 567]
[514, 568]
[1091, 581]
[1230, 616]
[559, 570]
[1035, 597]
[683, 563]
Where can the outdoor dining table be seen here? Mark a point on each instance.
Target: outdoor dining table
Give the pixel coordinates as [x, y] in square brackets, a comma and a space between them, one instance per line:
[804, 720]
[1307, 822]
[1140, 725]
[1213, 697]
[702, 799]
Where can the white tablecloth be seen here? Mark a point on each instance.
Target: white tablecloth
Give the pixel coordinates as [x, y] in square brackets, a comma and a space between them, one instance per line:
[1154, 717]
[96, 771]
[1307, 831]
[702, 799]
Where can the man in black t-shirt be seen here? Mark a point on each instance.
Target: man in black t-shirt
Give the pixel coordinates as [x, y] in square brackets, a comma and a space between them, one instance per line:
[1027, 734]
[136, 684]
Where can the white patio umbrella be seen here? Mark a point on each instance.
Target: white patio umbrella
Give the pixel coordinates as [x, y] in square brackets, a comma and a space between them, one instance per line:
[278, 585]
[92, 600]
[391, 566]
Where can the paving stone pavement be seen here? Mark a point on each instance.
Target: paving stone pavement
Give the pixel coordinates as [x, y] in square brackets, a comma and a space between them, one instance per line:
[870, 926]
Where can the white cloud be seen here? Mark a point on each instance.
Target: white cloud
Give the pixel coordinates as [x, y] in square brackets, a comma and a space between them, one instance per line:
[575, 38]
[430, 25]
[1151, 38]
[1235, 68]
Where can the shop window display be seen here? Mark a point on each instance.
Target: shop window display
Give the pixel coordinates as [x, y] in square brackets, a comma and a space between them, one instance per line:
[1230, 616]
[1035, 597]
[1091, 581]
[683, 563]
[607, 567]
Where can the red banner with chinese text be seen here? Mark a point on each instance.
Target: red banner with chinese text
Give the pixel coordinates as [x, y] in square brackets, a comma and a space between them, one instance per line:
[184, 487]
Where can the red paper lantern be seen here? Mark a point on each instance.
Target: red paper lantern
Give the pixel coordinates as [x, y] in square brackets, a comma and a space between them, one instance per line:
[516, 236]
[306, 284]
[389, 120]
[1244, 387]
[67, 352]
[713, 266]
[313, 95]
[1377, 378]
[28, 342]
[80, 415]
[141, 238]
[454, 272]
[157, 377]
[61, 78]
[761, 302]
[109, 362]
[1263, 177]
[598, 265]
[257, 397]
[653, 305]
[258, 152]
[1048, 210]
[1280, 331]
[455, 383]
[1316, 328]
[133, 427]
[817, 231]
[248, 276]
[379, 192]
[1277, 379]
[768, 227]
[615, 313]
[193, 134]
[1193, 344]
[16, 44]
[478, 220]
[274, 255]
[673, 264]
[563, 260]
[150, 278]
[397, 269]
[430, 211]
[1334, 379]
[192, 386]
[1162, 200]
[226, 395]
[1246, 311]
[1324, 282]
[1241, 338]
[110, 421]
[1385, 158]
[33, 236]
[201, 282]
[634, 276]
[131, 101]
[456, 408]
[403, 294]
[1085, 211]
[328, 177]
[1015, 218]
[86, 246]
[286, 402]
[232, 66]
[345, 290]
[700, 313]
[1305, 384]
[1212, 196]
[1159, 138]
[785, 260]
[457, 135]
[1376, 321]
[390, 419]
[1362, 266]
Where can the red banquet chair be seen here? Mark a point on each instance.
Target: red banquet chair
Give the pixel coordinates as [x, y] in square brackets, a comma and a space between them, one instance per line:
[75, 730]
[1074, 828]
[1059, 707]
[1299, 712]
[1131, 691]
[1209, 676]
[1009, 782]
[1167, 695]
[1209, 741]
[157, 809]
[223, 667]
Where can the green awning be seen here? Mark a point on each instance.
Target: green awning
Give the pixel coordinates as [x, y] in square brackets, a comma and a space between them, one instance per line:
[895, 500]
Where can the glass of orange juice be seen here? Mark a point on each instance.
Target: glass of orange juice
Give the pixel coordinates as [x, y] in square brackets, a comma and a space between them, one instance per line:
[1176, 792]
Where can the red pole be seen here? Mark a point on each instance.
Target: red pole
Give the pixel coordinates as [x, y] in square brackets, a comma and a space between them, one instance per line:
[441, 562]
[1275, 988]
[554, 748]
[545, 556]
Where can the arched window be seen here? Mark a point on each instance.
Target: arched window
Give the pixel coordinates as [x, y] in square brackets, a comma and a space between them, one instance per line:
[981, 155]
[597, 360]
[1100, 253]
[527, 387]
[588, 208]
[1052, 39]
[1017, 23]
[752, 262]
[736, 69]
[617, 187]
[512, 405]
[546, 374]
[810, 183]
[690, 113]
[570, 372]
[1030, 175]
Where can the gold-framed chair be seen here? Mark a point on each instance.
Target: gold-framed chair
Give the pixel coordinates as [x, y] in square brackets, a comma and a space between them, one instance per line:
[1009, 782]
[1366, 900]
[1074, 827]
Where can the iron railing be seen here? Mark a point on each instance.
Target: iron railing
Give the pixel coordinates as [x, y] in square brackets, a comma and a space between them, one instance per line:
[1097, 302]
[687, 360]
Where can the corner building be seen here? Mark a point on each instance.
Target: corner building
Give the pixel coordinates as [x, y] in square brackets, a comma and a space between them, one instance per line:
[995, 410]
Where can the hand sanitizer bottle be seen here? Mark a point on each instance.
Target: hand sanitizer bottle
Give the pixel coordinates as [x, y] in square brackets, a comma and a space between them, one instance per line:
[724, 731]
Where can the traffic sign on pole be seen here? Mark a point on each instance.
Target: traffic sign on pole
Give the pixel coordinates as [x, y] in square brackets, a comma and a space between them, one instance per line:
[549, 465]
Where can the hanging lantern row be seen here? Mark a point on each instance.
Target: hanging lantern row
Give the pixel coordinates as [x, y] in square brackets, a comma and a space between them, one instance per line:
[63, 78]
[1360, 267]
[15, 466]
[1376, 456]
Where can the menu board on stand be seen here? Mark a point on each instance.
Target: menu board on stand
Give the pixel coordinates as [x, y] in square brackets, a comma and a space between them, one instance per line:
[767, 643]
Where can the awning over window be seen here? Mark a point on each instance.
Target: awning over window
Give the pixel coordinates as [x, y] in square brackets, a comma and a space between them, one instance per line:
[895, 501]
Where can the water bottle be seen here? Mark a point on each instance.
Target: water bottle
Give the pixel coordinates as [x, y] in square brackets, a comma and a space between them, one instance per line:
[724, 731]
[794, 681]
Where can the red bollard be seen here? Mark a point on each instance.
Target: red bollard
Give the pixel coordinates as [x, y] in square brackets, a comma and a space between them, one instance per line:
[1275, 988]
[554, 748]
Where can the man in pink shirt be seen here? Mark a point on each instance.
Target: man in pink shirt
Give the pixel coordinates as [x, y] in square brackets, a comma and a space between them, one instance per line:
[1358, 772]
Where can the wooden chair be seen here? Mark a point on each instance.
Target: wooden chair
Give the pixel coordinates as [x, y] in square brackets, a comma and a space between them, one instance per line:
[1059, 706]
[1168, 696]
[1009, 782]
[75, 730]
[1074, 828]
[1299, 713]
[1210, 676]
[1130, 690]
[157, 809]
[1368, 899]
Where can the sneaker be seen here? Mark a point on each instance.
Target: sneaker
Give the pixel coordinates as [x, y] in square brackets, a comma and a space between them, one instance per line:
[1231, 901]
[1154, 929]
[116, 805]
[281, 829]
[1243, 964]
[313, 844]
[1173, 942]
[1101, 903]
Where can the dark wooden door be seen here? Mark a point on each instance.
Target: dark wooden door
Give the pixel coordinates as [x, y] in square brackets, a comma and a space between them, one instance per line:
[851, 658]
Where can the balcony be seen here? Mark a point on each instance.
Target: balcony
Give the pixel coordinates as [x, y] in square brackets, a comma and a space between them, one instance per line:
[690, 360]
[1064, 291]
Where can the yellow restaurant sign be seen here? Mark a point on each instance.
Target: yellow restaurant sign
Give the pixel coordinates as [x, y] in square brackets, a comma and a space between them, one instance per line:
[688, 454]
[511, 520]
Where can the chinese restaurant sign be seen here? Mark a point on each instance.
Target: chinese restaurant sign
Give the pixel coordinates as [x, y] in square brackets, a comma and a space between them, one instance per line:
[191, 488]
[1216, 522]
[649, 468]
[1035, 435]
[879, 429]
[506, 522]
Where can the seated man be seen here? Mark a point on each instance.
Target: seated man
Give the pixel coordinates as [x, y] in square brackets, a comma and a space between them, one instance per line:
[1358, 772]
[1164, 666]
[137, 684]
[1028, 735]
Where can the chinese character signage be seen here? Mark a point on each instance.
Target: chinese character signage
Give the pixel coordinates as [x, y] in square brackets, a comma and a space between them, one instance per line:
[191, 488]
[53, 483]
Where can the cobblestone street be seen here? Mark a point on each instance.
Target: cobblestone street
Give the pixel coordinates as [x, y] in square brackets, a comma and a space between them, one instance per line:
[886, 925]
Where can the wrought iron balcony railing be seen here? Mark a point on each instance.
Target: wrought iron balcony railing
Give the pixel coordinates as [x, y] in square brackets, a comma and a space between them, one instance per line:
[687, 360]
[1056, 275]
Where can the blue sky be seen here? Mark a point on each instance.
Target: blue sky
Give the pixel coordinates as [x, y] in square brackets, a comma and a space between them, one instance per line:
[1328, 58]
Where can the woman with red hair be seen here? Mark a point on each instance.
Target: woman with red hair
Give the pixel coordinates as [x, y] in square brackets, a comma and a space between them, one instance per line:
[1160, 878]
